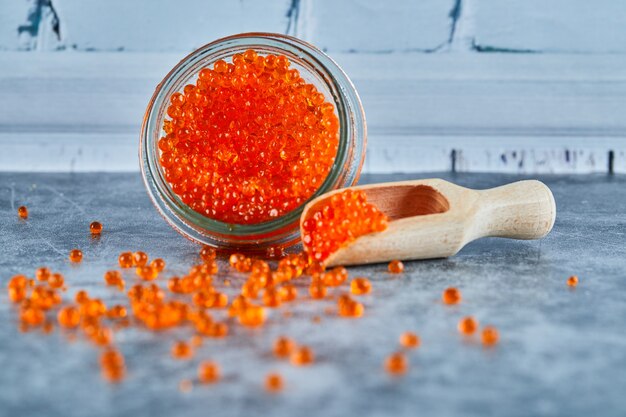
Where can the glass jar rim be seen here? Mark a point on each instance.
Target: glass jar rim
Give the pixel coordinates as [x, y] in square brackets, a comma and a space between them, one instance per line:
[210, 231]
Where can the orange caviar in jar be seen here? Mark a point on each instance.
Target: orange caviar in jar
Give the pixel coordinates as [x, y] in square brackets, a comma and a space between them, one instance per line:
[338, 220]
[249, 141]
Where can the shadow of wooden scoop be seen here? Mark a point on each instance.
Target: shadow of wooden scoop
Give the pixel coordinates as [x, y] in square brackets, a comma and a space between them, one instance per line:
[433, 218]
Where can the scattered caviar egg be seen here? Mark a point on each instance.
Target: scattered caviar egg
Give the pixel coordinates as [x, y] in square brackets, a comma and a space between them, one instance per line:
[274, 382]
[208, 372]
[81, 297]
[360, 286]
[338, 220]
[302, 356]
[289, 293]
[208, 254]
[42, 274]
[117, 312]
[317, 290]
[76, 255]
[114, 278]
[95, 228]
[409, 340]
[572, 281]
[158, 264]
[451, 296]
[22, 212]
[347, 307]
[182, 350]
[125, 259]
[248, 142]
[112, 365]
[283, 347]
[147, 273]
[68, 317]
[140, 258]
[56, 280]
[32, 316]
[252, 316]
[396, 363]
[395, 267]
[468, 325]
[490, 336]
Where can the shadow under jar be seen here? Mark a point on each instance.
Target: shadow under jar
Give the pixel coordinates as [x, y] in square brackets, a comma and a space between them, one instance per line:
[281, 231]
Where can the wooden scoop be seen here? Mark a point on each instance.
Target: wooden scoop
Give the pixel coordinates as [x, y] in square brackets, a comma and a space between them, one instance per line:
[434, 218]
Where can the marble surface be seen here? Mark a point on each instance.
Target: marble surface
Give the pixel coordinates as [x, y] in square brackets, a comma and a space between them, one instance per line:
[562, 351]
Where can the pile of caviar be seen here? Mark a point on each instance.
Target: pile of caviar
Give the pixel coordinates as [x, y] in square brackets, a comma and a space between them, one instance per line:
[207, 307]
[250, 141]
[338, 220]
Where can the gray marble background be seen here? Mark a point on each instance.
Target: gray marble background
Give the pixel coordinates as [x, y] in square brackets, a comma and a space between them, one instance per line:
[562, 351]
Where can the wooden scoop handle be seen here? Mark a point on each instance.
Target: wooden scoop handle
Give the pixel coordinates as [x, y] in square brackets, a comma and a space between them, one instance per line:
[520, 210]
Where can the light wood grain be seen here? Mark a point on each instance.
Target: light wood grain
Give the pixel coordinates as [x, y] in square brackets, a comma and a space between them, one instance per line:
[434, 218]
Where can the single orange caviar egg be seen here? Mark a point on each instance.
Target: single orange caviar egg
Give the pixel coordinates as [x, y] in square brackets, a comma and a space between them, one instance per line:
[274, 382]
[147, 273]
[490, 336]
[302, 356]
[76, 255]
[158, 264]
[209, 372]
[112, 365]
[396, 363]
[22, 212]
[338, 220]
[409, 340]
[182, 350]
[114, 279]
[283, 347]
[208, 254]
[572, 281]
[360, 286]
[56, 280]
[317, 290]
[140, 258]
[451, 296]
[248, 142]
[125, 259]
[395, 267]
[252, 316]
[95, 228]
[289, 293]
[468, 325]
[42, 274]
[68, 317]
[81, 297]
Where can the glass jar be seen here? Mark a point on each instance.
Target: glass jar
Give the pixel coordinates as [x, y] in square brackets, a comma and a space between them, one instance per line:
[316, 68]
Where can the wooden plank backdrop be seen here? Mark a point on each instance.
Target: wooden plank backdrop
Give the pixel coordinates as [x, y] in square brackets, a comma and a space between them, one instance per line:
[461, 85]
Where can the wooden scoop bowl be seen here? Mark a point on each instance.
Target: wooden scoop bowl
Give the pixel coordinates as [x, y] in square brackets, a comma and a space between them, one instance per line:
[433, 218]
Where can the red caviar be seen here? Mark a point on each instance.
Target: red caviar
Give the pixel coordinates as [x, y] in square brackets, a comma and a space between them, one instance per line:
[451, 296]
[572, 281]
[338, 220]
[490, 336]
[209, 372]
[396, 363]
[468, 325]
[95, 228]
[250, 141]
[409, 340]
[395, 267]
[274, 382]
[22, 212]
[76, 255]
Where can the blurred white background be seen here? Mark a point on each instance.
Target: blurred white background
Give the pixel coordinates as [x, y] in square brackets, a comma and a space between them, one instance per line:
[467, 85]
